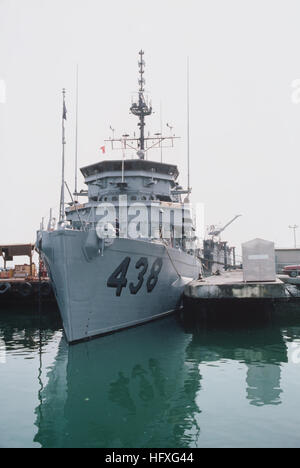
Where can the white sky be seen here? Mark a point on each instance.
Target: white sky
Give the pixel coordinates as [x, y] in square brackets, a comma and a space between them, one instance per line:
[245, 129]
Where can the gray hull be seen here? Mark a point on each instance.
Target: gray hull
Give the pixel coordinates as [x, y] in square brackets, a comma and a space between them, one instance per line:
[80, 268]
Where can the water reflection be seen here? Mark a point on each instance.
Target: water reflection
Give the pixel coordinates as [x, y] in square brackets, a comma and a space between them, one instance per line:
[144, 387]
[138, 388]
[23, 330]
[262, 350]
[129, 390]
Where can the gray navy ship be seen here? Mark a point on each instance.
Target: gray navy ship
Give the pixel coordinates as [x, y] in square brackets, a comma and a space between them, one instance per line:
[123, 257]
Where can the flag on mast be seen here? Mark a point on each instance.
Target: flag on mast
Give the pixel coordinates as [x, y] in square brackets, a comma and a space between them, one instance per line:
[102, 149]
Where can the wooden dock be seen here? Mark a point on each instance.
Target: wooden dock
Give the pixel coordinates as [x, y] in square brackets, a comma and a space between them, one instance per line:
[21, 285]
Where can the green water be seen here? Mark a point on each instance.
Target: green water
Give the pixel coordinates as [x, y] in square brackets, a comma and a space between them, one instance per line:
[159, 385]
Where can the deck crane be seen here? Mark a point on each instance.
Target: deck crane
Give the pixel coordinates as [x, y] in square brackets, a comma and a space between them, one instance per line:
[216, 232]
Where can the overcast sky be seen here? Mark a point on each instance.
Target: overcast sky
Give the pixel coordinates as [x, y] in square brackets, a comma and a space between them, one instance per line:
[245, 129]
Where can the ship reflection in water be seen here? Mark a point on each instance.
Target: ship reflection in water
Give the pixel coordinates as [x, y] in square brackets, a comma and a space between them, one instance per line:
[160, 385]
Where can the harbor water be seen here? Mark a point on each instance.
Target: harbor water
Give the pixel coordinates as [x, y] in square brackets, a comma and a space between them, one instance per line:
[159, 385]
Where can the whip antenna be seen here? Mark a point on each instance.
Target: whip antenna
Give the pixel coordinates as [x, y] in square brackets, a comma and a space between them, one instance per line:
[76, 140]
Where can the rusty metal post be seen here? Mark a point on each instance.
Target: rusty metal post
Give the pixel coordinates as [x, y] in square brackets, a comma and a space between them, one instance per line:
[30, 264]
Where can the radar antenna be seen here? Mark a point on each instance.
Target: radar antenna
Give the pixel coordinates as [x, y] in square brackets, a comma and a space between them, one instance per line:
[141, 109]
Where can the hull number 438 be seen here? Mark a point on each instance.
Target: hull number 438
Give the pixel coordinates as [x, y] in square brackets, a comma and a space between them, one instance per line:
[119, 281]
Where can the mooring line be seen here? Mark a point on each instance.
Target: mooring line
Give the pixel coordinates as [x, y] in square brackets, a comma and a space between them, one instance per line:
[179, 276]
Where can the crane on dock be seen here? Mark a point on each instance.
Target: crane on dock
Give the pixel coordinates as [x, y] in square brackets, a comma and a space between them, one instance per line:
[214, 232]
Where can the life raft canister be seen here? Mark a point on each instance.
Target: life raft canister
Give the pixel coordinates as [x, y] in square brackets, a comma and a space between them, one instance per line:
[25, 289]
[4, 287]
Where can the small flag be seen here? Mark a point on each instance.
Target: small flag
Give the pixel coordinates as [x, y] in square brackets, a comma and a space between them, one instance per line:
[102, 149]
[65, 112]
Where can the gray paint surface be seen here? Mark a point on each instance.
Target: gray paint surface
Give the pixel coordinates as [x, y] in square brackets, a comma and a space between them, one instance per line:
[88, 306]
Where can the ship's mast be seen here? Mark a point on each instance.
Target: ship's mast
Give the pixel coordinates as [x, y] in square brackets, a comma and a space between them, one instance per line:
[141, 144]
[141, 109]
[62, 194]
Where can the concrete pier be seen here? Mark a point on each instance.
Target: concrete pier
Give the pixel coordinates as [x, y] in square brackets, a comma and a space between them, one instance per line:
[230, 285]
[292, 285]
[227, 298]
[288, 280]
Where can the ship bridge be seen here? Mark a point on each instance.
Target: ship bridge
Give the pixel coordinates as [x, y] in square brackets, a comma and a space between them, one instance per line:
[151, 183]
[139, 179]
